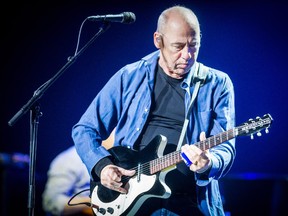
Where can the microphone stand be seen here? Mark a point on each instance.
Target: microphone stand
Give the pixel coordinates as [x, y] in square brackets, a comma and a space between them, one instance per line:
[35, 113]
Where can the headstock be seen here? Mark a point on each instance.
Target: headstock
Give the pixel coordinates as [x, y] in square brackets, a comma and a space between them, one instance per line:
[256, 125]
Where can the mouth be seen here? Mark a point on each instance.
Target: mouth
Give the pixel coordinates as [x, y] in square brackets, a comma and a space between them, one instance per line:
[183, 66]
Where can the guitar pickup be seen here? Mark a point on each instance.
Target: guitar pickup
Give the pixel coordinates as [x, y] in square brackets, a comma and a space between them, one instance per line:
[139, 171]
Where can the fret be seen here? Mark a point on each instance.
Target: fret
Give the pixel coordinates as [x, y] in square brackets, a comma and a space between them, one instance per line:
[165, 161]
[208, 144]
[214, 141]
[168, 161]
[151, 166]
[225, 135]
[161, 163]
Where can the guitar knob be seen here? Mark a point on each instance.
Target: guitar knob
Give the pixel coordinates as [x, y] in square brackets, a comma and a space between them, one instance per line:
[102, 211]
[259, 134]
[110, 210]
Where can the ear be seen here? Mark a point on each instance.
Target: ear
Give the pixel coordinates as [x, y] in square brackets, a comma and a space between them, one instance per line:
[157, 40]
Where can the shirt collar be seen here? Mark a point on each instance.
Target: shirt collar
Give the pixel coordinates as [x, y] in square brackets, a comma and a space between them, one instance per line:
[187, 82]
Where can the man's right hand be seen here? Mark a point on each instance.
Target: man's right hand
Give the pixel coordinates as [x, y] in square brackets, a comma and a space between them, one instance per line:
[111, 176]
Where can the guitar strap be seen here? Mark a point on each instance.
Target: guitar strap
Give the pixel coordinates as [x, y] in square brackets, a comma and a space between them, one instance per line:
[198, 78]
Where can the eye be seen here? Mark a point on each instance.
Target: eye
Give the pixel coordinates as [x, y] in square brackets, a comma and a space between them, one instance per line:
[194, 44]
[178, 47]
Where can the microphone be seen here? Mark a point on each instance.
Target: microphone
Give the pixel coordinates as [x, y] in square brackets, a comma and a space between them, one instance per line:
[125, 17]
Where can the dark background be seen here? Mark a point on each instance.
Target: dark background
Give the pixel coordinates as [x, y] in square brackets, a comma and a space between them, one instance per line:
[246, 39]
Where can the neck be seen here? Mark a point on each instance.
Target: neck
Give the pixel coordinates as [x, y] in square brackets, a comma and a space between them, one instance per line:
[169, 71]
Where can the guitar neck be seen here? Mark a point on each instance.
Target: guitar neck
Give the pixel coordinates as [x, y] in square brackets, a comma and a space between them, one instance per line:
[247, 128]
[217, 139]
[174, 158]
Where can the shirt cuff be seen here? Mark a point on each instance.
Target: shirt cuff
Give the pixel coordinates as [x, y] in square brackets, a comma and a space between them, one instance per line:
[204, 169]
[99, 166]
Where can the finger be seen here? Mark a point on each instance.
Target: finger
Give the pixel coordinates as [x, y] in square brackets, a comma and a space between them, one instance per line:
[120, 190]
[115, 173]
[185, 147]
[116, 176]
[109, 170]
[195, 151]
[189, 152]
[127, 172]
[116, 186]
[202, 136]
[109, 175]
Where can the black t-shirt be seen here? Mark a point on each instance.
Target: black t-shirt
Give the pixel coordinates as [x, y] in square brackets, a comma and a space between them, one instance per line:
[167, 112]
[167, 117]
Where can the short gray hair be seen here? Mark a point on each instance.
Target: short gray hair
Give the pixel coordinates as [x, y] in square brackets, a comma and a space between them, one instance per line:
[187, 14]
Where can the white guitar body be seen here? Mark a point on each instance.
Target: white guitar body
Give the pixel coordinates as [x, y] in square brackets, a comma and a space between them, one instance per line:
[124, 201]
[138, 190]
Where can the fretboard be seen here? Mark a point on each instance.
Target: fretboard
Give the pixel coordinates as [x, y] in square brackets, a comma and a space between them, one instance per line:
[174, 158]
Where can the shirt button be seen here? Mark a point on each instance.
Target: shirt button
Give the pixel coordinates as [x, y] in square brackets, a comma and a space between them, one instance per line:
[137, 129]
[146, 110]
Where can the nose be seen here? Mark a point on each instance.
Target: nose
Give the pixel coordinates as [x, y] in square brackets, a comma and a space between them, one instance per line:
[186, 53]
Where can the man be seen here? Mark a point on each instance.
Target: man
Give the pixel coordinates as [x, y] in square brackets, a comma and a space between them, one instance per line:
[151, 97]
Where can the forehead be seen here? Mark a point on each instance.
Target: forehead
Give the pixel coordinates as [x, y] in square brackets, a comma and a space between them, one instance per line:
[180, 26]
[180, 33]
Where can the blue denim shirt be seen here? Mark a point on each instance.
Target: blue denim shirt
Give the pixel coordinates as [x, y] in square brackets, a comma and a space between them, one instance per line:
[124, 104]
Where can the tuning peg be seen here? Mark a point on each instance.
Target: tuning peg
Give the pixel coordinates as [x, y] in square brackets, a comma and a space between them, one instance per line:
[266, 130]
[251, 136]
[259, 134]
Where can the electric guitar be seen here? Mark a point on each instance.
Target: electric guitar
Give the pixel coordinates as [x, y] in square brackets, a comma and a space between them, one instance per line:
[151, 168]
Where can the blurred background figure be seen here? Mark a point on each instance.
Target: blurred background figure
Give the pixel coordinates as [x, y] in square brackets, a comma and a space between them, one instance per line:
[66, 177]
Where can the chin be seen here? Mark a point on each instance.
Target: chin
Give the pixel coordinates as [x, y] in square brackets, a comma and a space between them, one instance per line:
[182, 71]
